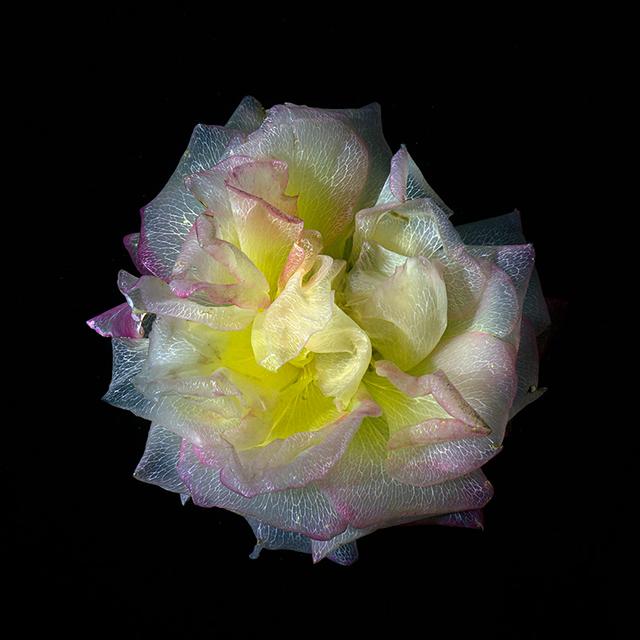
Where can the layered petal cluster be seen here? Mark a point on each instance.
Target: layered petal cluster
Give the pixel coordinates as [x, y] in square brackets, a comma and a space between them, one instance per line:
[316, 346]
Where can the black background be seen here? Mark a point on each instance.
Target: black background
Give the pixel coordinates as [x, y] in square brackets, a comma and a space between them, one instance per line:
[496, 121]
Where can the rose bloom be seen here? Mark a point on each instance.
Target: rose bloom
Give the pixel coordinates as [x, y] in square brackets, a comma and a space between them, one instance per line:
[317, 347]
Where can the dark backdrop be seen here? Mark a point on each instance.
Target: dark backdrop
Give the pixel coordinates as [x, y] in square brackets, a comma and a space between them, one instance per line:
[496, 121]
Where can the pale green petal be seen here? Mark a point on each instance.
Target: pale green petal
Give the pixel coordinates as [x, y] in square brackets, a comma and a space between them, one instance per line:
[328, 165]
[421, 228]
[304, 307]
[342, 354]
[404, 312]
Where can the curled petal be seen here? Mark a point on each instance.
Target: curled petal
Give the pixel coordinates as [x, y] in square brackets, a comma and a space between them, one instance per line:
[406, 182]
[498, 311]
[366, 495]
[265, 234]
[302, 255]
[153, 295]
[404, 314]
[160, 459]
[507, 230]
[481, 371]
[527, 369]
[421, 228]
[306, 511]
[328, 165]
[287, 463]
[167, 219]
[248, 115]
[218, 269]
[304, 307]
[342, 354]
[118, 322]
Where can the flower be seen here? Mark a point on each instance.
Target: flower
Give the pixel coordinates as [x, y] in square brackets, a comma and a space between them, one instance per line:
[317, 347]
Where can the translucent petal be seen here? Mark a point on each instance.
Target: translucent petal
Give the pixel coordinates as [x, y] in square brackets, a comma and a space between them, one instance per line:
[498, 311]
[218, 269]
[129, 356]
[421, 228]
[153, 295]
[166, 220]
[527, 369]
[328, 165]
[366, 495]
[118, 322]
[304, 307]
[507, 230]
[265, 234]
[481, 371]
[406, 182]
[305, 510]
[269, 537]
[295, 461]
[131, 242]
[404, 314]
[160, 459]
[342, 355]
[248, 115]
[367, 123]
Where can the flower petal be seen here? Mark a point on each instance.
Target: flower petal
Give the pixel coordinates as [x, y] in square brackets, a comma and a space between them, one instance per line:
[328, 165]
[404, 314]
[166, 220]
[153, 295]
[507, 230]
[248, 115]
[302, 309]
[131, 242]
[406, 182]
[158, 463]
[421, 228]
[365, 495]
[305, 511]
[342, 355]
[129, 356]
[480, 370]
[527, 369]
[117, 323]
[219, 269]
[292, 462]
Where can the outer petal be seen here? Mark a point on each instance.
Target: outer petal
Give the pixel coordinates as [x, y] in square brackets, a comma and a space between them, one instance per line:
[131, 242]
[527, 370]
[248, 115]
[289, 463]
[305, 511]
[481, 371]
[406, 182]
[404, 314]
[302, 309]
[365, 495]
[129, 356]
[498, 311]
[160, 459]
[117, 323]
[507, 230]
[167, 219]
[367, 123]
[155, 296]
[328, 165]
